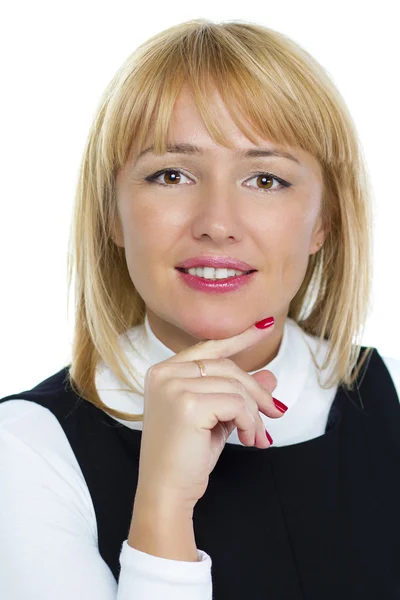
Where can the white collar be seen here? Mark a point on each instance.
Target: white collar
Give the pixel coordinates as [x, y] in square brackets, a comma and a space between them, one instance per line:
[292, 367]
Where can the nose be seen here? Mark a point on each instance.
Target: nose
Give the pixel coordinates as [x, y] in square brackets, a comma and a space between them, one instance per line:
[216, 213]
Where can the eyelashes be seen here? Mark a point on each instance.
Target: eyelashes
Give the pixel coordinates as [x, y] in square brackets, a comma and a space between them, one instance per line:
[282, 183]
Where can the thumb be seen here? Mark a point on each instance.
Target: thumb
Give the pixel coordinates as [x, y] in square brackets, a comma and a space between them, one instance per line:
[267, 379]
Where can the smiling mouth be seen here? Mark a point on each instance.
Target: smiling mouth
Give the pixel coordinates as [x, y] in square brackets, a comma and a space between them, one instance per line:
[182, 270]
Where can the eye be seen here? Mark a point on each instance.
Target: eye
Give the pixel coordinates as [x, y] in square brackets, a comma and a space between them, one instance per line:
[265, 179]
[175, 179]
[171, 172]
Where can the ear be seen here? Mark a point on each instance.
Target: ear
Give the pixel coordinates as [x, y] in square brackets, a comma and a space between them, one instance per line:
[318, 236]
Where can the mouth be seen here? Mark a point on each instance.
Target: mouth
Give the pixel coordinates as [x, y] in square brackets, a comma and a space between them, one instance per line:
[210, 274]
[208, 280]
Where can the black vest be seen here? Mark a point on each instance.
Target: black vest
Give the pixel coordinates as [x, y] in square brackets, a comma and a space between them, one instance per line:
[316, 520]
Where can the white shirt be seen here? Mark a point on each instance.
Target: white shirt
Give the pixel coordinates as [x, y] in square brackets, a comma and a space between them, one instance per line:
[48, 530]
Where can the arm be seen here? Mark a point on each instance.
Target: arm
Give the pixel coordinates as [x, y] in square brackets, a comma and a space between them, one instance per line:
[48, 541]
[48, 534]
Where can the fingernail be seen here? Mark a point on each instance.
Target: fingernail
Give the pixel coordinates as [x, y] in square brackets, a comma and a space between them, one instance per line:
[264, 323]
[271, 441]
[282, 407]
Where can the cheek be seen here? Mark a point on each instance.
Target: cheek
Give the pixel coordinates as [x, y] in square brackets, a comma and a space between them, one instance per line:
[297, 223]
[141, 226]
[297, 244]
[285, 241]
[297, 256]
[283, 234]
[149, 237]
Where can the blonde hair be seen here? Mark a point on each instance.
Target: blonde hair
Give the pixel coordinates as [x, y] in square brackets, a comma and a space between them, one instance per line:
[271, 83]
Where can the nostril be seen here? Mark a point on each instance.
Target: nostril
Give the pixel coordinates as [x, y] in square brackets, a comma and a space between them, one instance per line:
[279, 405]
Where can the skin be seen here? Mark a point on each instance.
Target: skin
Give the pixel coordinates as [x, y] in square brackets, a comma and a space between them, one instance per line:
[218, 207]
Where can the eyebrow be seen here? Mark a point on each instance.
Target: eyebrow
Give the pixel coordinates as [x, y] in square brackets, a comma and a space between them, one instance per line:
[184, 148]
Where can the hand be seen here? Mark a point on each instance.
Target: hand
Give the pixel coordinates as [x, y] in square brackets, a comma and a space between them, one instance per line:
[188, 418]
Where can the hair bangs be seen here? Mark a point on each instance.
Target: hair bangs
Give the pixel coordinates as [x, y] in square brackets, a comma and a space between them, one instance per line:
[267, 96]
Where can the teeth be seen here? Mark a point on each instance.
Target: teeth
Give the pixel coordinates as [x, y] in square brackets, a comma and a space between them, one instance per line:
[211, 273]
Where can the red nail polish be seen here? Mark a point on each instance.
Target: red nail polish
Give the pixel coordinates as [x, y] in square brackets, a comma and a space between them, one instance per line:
[264, 323]
[282, 407]
[271, 441]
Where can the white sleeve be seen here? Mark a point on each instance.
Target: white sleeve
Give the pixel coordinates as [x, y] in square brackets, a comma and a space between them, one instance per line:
[48, 531]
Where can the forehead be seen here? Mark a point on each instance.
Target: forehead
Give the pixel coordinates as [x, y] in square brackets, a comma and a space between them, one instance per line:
[188, 127]
[187, 124]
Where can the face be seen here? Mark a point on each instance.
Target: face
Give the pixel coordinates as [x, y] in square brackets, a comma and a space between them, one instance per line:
[217, 203]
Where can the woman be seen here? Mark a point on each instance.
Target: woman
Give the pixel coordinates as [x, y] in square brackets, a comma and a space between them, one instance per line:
[169, 487]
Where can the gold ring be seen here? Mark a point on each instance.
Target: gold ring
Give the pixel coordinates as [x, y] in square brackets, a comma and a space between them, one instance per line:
[201, 367]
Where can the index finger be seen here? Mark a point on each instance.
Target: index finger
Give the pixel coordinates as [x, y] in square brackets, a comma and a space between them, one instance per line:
[227, 346]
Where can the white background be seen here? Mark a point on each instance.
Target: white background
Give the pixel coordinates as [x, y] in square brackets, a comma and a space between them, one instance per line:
[57, 58]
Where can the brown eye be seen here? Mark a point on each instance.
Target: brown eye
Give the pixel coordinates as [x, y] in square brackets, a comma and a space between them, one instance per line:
[266, 181]
[171, 177]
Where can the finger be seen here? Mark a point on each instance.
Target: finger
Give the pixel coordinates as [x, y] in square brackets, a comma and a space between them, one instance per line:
[226, 368]
[225, 347]
[229, 409]
[266, 379]
[222, 385]
[210, 385]
[260, 393]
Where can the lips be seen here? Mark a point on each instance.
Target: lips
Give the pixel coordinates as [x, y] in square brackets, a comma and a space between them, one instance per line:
[215, 286]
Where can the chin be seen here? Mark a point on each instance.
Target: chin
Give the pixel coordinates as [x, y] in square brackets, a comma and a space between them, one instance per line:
[217, 329]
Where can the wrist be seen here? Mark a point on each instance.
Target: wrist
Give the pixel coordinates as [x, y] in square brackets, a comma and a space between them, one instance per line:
[163, 503]
[163, 529]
